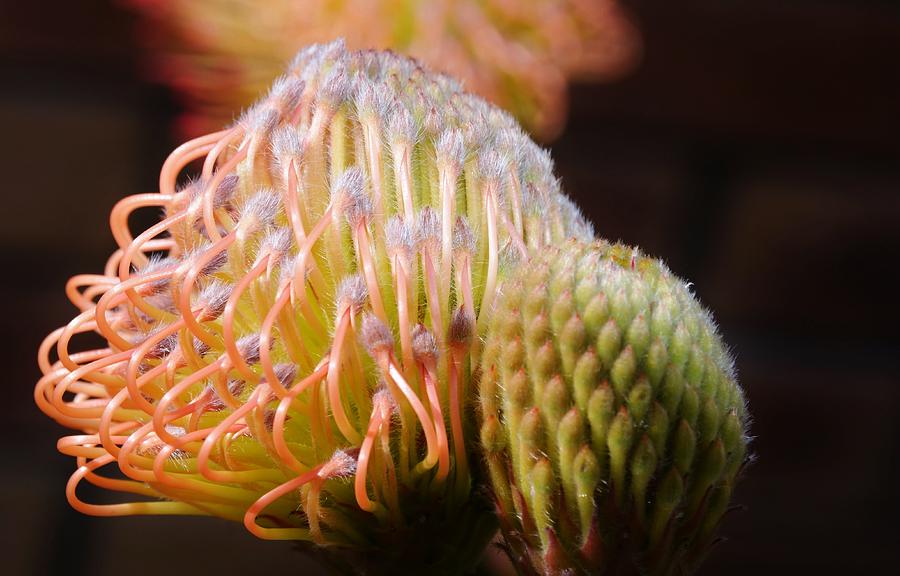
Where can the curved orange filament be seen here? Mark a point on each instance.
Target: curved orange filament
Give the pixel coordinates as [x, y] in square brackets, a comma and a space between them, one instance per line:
[162, 416]
[271, 496]
[387, 364]
[461, 460]
[334, 391]
[281, 447]
[429, 374]
[182, 156]
[230, 340]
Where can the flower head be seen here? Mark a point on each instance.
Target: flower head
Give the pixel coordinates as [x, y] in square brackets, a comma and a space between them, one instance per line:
[293, 345]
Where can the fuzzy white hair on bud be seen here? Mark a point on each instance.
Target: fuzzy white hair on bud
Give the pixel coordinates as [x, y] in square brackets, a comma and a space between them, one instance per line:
[463, 237]
[286, 91]
[335, 88]
[288, 270]
[213, 265]
[341, 465]
[461, 327]
[213, 298]
[424, 345]
[352, 293]
[285, 372]
[288, 143]
[260, 120]
[449, 149]
[163, 348]
[428, 230]
[399, 238]
[225, 191]
[248, 347]
[402, 129]
[157, 263]
[492, 165]
[574, 219]
[372, 101]
[375, 335]
[358, 204]
[260, 210]
[347, 188]
[276, 245]
[510, 256]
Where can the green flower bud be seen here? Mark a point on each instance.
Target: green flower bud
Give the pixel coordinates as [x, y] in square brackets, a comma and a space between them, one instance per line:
[609, 341]
[586, 477]
[596, 312]
[638, 428]
[620, 437]
[684, 444]
[584, 378]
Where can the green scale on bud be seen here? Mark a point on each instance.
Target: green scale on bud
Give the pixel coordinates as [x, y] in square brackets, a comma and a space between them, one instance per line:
[619, 427]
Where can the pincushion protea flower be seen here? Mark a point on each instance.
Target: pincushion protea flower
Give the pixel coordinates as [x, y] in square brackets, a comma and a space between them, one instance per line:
[612, 424]
[293, 345]
[516, 54]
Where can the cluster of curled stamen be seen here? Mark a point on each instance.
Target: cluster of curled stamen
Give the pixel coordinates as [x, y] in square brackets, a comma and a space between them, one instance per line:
[292, 344]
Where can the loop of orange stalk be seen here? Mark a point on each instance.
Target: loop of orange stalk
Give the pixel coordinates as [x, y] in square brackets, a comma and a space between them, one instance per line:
[281, 447]
[48, 344]
[137, 357]
[300, 263]
[71, 445]
[119, 485]
[161, 412]
[295, 219]
[229, 338]
[292, 207]
[176, 161]
[365, 258]
[130, 509]
[439, 428]
[209, 219]
[431, 456]
[78, 298]
[118, 217]
[362, 462]
[227, 137]
[456, 427]
[201, 490]
[134, 251]
[431, 287]
[334, 393]
[266, 343]
[82, 323]
[270, 497]
[127, 452]
[225, 426]
[187, 288]
[82, 371]
[116, 291]
[105, 429]
[43, 398]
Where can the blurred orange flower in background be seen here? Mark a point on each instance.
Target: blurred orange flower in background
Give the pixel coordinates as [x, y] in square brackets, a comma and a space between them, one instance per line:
[222, 54]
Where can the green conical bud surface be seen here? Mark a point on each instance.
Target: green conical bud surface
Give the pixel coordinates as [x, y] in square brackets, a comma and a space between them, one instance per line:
[625, 430]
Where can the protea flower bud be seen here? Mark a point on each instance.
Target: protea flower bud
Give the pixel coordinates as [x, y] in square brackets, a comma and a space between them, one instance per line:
[612, 424]
[293, 345]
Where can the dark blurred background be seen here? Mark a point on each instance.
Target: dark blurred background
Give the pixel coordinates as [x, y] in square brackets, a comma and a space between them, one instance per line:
[756, 150]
